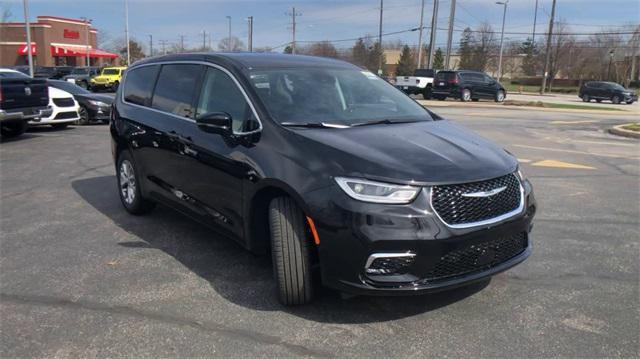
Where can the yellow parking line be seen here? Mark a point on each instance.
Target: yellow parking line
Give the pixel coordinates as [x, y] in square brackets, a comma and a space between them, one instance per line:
[523, 160]
[571, 122]
[560, 164]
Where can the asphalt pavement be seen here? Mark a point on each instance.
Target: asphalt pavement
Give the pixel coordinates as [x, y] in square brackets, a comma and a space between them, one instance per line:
[79, 277]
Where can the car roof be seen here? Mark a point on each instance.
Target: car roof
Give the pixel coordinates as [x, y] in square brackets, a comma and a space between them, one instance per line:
[253, 60]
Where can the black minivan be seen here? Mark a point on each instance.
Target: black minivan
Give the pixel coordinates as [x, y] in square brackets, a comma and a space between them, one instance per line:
[323, 164]
[467, 85]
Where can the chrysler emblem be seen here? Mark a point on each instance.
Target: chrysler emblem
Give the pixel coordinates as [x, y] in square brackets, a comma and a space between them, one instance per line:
[27, 91]
[488, 193]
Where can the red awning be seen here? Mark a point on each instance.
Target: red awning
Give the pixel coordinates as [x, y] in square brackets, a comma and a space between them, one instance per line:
[24, 50]
[80, 51]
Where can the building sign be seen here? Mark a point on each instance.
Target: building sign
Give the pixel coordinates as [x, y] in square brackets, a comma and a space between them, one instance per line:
[71, 34]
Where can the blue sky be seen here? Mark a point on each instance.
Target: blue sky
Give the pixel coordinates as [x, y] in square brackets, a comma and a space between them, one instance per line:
[320, 19]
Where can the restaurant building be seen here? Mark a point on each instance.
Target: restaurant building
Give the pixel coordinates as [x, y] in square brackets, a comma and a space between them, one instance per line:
[55, 41]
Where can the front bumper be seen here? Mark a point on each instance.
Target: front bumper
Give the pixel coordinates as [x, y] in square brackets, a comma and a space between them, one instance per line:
[351, 231]
[99, 113]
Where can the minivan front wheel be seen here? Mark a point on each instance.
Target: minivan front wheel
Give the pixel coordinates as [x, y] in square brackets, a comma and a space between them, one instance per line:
[290, 250]
[465, 96]
[129, 187]
[500, 96]
[615, 99]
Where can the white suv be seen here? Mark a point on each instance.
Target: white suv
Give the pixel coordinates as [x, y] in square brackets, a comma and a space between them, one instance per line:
[65, 109]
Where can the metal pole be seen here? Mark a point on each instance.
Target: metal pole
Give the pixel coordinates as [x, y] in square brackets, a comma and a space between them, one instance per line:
[86, 24]
[293, 42]
[380, 39]
[126, 30]
[229, 47]
[150, 45]
[548, 55]
[182, 43]
[250, 40]
[504, 14]
[452, 15]
[535, 20]
[420, 36]
[28, 30]
[434, 25]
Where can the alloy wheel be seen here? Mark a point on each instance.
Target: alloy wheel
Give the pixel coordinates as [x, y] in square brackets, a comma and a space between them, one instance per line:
[127, 182]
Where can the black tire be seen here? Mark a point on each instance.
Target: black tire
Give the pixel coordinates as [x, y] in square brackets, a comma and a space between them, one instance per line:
[615, 99]
[465, 95]
[586, 98]
[137, 204]
[440, 98]
[629, 102]
[84, 116]
[84, 85]
[500, 96]
[426, 94]
[114, 87]
[598, 100]
[475, 99]
[60, 126]
[290, 249]
[13, 129]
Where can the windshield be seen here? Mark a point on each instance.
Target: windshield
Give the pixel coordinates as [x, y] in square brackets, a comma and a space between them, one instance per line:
[330, 95]
[13, 75]
[110, 71]
[80, 71]
[69, 87]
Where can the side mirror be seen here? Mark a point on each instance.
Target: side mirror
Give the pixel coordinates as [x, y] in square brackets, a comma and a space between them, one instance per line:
[215, 122]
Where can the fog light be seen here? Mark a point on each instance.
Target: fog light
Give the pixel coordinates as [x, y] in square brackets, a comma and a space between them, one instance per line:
[389, 263]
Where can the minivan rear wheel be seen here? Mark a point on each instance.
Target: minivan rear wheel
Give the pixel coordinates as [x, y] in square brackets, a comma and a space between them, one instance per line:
[500, 96]
[290, 250]
[465, 96]
[129, 187]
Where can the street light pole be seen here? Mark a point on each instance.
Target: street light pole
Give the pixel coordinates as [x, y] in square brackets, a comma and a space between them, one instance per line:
[126, 30]
[250, 37]
[504, 15]
[229, 37]
[611, 54]
[86, 24]
[380, 40]
[420, 36]
[150, 45]
[548, 54]
[28, 30]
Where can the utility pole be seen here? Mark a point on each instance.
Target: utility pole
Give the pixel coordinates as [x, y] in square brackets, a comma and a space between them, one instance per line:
[250, 37]
[452, 15]
[420, 36]
[380, 40]
[504, 15]
[181, 43]
[126, 30]
[293, 15]
[86, 48]
[150, 45]
[548, 54]
[163, 43]
[229, 47]
[434, 25]
[27, 26]
[535, 20]
[204, 40]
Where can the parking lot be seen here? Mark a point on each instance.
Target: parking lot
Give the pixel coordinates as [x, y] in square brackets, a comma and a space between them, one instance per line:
[82, 278]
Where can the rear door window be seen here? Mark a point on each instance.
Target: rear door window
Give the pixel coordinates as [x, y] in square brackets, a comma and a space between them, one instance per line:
[139, 85]
[446, 76]
[176, 89]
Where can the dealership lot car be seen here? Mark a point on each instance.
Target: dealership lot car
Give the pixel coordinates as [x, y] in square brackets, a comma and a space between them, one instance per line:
[467, 85]
[64, 110]
[327, 165]
[109, 78]
[607, 91]
[92, 107]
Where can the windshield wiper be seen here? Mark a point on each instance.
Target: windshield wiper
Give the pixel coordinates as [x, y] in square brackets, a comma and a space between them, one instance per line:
[385, 121]
[313, 125]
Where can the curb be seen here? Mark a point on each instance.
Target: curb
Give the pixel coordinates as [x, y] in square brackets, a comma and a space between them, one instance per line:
[527, 108]
[619, 131]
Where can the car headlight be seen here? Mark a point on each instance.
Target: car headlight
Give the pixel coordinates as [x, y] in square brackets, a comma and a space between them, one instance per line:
[97, 103]
[521, 175]
[377, 192]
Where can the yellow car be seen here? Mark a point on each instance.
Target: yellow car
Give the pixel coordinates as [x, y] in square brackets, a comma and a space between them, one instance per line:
[109, 78]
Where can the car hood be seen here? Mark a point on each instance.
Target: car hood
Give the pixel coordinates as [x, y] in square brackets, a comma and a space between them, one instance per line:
[431, 152]
[95, 97]
[57, 93]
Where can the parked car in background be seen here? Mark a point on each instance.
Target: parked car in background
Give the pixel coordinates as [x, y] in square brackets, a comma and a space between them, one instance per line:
[609, 91]
[109, 78]
[22, 98]
[420, 83]
[323, 165]
[93, 107]
[467, 85]
[64, 110]
[82, 75]
[55, 72]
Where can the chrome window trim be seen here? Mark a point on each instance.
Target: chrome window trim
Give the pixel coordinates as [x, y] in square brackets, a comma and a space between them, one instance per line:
[205, 63]
[375, 256]
[486, 221]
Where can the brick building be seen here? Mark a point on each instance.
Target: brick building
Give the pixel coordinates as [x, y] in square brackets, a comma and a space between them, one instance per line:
[55, 41]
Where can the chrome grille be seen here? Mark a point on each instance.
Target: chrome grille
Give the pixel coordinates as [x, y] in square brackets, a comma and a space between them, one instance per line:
[468, 204]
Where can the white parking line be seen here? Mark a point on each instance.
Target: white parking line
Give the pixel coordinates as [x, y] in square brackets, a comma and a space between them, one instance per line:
[574, 151]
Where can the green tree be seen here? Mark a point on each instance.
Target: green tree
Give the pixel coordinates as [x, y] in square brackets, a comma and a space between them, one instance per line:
[288, 50]
[375, 56]
[466, 48]
[406, 64]
[438, 60]
[530, 62]
[135, 52]
[359, 53]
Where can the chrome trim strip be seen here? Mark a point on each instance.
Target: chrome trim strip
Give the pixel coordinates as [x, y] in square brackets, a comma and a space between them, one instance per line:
[486, 221]
[375, 256]
[246, 97]
[483, 194]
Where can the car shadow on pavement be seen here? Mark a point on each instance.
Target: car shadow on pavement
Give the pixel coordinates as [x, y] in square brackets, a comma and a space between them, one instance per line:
[240, 276]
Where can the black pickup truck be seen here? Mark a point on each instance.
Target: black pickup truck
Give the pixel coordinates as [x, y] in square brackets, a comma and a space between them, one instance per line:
[22, 98]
